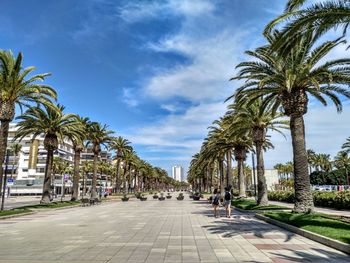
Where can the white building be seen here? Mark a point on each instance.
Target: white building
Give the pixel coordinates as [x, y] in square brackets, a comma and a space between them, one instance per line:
[271, 176]
[178, 173]
[30, 163]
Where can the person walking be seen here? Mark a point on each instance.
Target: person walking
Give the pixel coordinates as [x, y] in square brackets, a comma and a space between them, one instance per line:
[227, 201]
[216, 203]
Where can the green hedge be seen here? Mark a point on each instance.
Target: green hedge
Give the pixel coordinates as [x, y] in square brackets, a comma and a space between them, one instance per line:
[339, 200]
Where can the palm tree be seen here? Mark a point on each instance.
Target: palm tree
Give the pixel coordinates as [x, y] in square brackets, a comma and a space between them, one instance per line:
[78, 147]
[60, 166]
[287, 81]
[311, 155]
[346, 145]
[342, 160]
[87, 168]
[97, 135]
[255, 120]
[55, 125]
[318, 17]
[16, 88]
[16, 148]
[121, 146]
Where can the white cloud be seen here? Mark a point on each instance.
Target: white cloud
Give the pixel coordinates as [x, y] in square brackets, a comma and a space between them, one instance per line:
[180, 130]
[129, 97]
[139, 11]
[207, 76]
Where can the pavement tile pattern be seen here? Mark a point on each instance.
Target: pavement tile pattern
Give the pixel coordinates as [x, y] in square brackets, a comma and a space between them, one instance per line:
[154, 231]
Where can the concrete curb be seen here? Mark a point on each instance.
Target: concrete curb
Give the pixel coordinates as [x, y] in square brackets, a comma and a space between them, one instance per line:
[17, 215]
[310, 235]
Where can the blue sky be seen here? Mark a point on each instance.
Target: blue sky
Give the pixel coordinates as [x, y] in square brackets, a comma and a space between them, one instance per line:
[156, 71]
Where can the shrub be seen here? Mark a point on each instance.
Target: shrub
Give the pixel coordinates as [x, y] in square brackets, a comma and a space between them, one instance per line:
[283, 196]
[338, 200]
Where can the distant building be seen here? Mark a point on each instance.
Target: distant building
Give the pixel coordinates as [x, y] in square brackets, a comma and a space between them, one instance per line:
[271, 176]
[178, 173]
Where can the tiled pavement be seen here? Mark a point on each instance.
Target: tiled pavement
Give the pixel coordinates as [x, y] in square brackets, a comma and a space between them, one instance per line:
[152, 231]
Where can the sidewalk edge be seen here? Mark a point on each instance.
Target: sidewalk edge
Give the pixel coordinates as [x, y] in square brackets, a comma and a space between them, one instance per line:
[310, 235]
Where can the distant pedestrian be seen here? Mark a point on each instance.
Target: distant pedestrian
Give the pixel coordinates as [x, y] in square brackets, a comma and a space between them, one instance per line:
[227, 201]
[216, 202]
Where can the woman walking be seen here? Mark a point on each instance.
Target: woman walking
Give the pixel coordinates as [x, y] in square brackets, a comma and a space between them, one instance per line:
[216, 202]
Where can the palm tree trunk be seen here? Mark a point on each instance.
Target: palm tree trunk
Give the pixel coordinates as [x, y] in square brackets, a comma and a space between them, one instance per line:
[241, 179]
[46, 196]
[4, 131]
[94, 177]
[76, 177]
[262, 187]
[124, 179]
[117, 183]
[303, 195]
[221, 168]
[229, 168]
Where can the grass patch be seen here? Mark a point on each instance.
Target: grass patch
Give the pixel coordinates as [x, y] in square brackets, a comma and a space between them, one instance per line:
[51, 205]
[324, 225]
[14, 212]
[251, 205]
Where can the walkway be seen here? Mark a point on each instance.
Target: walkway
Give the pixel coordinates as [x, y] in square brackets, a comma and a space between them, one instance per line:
[152, 231]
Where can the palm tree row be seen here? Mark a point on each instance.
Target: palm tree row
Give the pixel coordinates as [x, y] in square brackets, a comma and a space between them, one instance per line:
[281, 78]
[44, 116]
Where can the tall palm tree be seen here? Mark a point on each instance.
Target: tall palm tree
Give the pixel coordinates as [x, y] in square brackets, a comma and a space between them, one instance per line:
[98, 135]
[287, 81]
[16, 88]
[55, 125]
[121, 146]
[78, 147]
[257, 120]
[16, 148]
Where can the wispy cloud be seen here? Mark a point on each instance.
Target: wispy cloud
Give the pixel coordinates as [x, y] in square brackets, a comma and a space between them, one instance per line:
[139, 11]
[129, 97]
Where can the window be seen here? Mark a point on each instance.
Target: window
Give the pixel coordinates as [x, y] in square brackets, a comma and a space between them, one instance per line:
[24, 170]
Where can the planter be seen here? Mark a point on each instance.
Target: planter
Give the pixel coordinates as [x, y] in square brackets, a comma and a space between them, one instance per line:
[161, 198]
[143, 198]
[124, 199]
[155, 197]
[196, 198]
[168, 196]
[180, 198]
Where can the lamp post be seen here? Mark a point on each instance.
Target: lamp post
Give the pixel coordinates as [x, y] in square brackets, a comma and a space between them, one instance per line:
[5, 180]
[253, 164]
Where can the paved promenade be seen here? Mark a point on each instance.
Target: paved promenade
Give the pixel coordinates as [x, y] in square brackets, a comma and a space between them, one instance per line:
[152, 231]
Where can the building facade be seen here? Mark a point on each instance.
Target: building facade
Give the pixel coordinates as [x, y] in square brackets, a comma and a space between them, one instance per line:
[28, 167]
[177, 173]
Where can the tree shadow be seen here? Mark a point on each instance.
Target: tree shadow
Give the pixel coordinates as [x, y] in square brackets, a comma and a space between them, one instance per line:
[246, 225]
[323, 256]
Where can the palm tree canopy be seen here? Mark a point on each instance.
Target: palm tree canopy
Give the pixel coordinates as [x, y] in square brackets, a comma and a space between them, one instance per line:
[121, 146]
[98, 135]
[49, 120]
[288, 80]
[15, 85]
[319, 17]
[346, 145]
